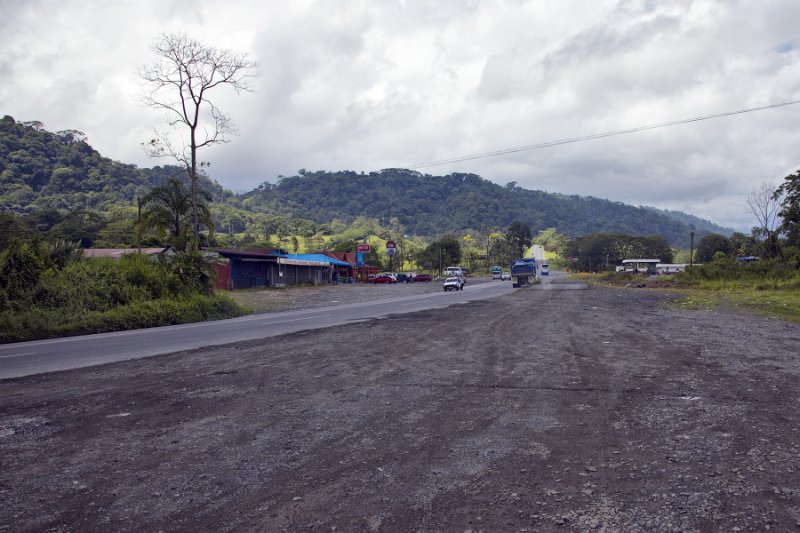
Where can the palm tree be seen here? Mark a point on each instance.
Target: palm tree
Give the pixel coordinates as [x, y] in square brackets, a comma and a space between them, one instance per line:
[169, 207]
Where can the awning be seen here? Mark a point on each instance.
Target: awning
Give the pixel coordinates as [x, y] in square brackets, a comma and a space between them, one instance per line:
[311, 260]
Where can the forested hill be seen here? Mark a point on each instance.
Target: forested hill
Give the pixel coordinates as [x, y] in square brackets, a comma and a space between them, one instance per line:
[432, 205]
[40, 169]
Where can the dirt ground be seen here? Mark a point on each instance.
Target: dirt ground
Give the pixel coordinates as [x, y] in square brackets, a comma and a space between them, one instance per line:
[545, 410]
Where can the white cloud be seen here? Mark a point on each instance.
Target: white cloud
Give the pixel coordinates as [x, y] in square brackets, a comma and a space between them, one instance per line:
[364, 85]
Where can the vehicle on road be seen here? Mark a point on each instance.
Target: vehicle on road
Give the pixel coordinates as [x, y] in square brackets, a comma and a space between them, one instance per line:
[383, 278]
[544, 270]
[455, 271]
[523, 271]
[505, 276]
[453, 283]
[423, 277]
[497, 272]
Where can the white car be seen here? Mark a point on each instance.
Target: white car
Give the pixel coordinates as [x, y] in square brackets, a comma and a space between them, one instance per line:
[453, 283]
[506, 276]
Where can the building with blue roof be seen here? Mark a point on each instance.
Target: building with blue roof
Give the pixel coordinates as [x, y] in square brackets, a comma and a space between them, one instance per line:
[260, 267]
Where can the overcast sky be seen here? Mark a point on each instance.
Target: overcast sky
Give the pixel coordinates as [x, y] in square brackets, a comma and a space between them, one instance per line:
[366, 85]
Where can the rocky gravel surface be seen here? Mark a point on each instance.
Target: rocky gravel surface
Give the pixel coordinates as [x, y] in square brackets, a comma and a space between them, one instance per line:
[549, 409]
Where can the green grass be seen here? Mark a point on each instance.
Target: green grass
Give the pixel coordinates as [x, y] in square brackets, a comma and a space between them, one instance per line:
[38, 323]
[782, 303]
[762, 294]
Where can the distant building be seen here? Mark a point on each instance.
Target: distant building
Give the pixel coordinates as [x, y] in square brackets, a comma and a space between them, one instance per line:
[644, 266]
[667, 268]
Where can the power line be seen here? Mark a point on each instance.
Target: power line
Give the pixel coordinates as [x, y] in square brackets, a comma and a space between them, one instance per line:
[547, 144]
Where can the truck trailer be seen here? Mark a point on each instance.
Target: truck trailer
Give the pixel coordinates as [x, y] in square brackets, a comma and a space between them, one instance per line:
[523, 272]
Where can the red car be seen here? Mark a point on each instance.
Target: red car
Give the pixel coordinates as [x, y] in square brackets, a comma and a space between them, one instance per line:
[423, 277]
[383, 279]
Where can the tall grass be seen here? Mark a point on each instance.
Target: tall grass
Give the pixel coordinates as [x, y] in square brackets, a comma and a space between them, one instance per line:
[38, 323]
[731, 275]
[99, 295]
[765, 287]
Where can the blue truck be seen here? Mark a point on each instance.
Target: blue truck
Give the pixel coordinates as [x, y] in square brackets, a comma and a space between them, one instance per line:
[523, 271]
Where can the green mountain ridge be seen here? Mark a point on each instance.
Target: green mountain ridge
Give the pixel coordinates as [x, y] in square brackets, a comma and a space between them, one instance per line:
[434, 205]
[41, 170]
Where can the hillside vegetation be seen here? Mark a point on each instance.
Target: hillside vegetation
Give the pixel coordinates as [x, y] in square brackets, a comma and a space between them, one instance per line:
[40, 169]
[60, 174]
[432, 205]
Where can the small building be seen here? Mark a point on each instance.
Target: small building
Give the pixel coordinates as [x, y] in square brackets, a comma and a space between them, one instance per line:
[670, 268]
[252, 268]
[644, 266]
[358, 270]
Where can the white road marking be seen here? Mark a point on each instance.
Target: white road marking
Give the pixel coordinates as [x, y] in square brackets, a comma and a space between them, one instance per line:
[297, 319]
[17, 354]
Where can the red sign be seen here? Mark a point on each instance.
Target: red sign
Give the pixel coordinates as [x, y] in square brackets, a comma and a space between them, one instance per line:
[362, 247]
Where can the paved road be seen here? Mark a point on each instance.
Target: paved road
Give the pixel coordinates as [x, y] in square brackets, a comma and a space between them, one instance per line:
[35, 357]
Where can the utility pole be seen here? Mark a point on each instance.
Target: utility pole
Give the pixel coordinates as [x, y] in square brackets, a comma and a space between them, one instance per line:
[691, 249]
[139, 224]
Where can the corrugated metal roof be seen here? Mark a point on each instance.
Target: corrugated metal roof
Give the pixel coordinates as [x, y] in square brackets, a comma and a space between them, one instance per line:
[116, 253]
[319, 258]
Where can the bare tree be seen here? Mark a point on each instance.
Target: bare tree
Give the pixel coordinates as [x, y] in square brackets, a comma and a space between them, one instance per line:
[178, 82]
[764, 205]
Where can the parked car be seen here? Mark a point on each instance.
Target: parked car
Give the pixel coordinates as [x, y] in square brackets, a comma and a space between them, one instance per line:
[405, 278]
[423, 277]
[454, 283]
[506, 276]
[383, 278]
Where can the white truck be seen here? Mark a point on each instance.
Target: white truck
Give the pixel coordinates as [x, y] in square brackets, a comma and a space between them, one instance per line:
[458, 272]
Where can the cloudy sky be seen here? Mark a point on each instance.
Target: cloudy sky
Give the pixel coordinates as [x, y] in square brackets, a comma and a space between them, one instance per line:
[365, 85]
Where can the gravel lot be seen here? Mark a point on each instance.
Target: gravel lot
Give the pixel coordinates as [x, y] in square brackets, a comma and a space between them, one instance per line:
[544, 410]
[310, 297]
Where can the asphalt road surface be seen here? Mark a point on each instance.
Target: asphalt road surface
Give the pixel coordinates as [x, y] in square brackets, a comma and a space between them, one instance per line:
[26, 358]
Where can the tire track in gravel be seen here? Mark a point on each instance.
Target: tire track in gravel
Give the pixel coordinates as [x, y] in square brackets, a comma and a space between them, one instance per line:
[581, 410]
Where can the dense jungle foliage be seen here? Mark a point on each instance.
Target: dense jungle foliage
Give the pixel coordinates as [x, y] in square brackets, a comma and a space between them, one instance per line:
[50, 290]
[44, 170]
[64, 187]
[431, 205]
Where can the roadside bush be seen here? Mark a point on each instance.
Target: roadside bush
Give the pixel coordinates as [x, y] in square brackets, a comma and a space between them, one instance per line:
[40, 323]
[21, 265]
[40, 297]
[766, 274]
[193, 272]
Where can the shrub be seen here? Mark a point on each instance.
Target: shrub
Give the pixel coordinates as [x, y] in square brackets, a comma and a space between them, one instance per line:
[40, 323]
[771, 273]
[42, 298]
